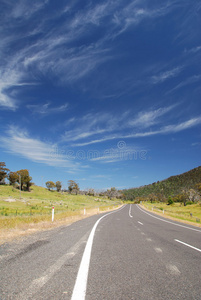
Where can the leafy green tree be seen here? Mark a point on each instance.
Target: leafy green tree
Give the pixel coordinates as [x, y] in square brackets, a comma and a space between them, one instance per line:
[13, 177]
[3, 171]
[58, 186]
[50, 185]
[73, 186]
[24, 179]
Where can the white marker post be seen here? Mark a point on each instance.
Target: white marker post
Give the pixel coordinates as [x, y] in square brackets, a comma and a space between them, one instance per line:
[84, 211]
[52, 213]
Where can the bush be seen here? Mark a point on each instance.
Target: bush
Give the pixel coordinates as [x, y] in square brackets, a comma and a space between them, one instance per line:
[189, 203]
[170, 201]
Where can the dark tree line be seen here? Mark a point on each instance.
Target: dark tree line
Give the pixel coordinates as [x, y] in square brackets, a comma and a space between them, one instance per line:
[181, 188]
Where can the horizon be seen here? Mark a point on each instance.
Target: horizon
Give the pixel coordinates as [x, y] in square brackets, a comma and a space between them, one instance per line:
[103, 93]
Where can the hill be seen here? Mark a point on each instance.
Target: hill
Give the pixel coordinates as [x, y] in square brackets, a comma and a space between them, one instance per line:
[171, 186]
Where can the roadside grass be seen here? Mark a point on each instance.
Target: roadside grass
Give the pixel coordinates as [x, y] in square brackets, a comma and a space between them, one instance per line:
[17, 210]
[190, 213]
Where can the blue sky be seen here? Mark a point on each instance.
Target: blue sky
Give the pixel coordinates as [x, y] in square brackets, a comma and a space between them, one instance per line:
[106, 93]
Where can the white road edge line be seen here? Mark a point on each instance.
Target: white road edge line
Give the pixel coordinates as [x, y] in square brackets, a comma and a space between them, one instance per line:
[130, 212]
[140, 223]
[167, 220]
[79, 291]
[187, 245]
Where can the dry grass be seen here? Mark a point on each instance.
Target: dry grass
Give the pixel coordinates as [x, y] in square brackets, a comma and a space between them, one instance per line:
[33, 211]
[177, 212]
[7, 235]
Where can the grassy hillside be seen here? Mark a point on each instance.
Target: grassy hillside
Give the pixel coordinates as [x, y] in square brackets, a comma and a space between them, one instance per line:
[168, 187]
[36, 206]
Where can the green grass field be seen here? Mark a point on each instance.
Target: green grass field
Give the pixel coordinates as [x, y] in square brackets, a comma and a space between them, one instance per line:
[190, 213]
[36, 206]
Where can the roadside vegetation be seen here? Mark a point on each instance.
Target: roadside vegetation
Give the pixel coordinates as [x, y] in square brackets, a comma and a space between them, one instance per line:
[190, 212]
[177, 197]
[19, 207]
[186, 186]
[21, 202]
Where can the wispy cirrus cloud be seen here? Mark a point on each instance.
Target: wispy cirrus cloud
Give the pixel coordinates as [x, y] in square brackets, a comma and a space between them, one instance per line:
[18, 142]
[148, 118]
[121, 153]
[163, 76]
[9, 79]
[58, 53]
[193, 50]
[46, 109]
[91, 124]
[188, 81]
[48, 53]
[136, 12]
[168, 129]
[182, 126]
[105, 126]
[22, 9]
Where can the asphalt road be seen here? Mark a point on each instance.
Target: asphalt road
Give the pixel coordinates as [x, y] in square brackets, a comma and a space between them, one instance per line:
[128, 254]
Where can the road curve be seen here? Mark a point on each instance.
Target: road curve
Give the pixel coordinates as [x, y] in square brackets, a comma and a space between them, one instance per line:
[133, 255]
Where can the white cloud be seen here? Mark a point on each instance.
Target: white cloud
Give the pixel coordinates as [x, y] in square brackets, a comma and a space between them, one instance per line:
[48, 53]
[23, 9]
[8, 79]
[149, 118]
[45, 109]
[188, 81]
[166, 75]
[182, 126]
[19, 142]
[92, 15]
[193, 50]
[121, 152]
[163, 130]
[134, 13]
[89, 125]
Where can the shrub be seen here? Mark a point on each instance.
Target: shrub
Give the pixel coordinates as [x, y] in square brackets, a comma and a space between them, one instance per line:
[189, 203]
[170, 201]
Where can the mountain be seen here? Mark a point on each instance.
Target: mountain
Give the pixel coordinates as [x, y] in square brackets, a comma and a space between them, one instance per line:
[171, 186]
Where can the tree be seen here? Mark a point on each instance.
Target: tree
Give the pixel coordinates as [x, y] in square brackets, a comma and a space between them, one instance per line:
[58, 186]
[50, 185]
[198, 187]
[91, 192]
[3, 171]
[24, 179]
[73, 187]
[13, 177]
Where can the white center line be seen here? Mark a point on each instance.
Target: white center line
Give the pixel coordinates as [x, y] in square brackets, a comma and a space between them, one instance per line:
[158, 250]
[79, 291]
[188, 245]
[149, 240]
[173, 269]
[140, 223]
[130, 212]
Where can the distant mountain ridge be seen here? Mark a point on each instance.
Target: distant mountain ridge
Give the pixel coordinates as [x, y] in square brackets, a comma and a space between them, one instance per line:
[167, 187]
